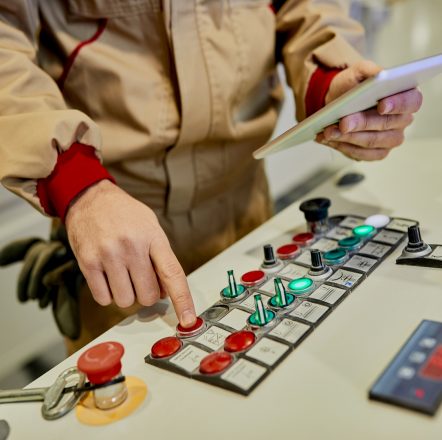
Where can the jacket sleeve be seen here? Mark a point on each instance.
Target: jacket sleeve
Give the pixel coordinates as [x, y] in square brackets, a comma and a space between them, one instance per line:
[36, 126]
[312, 33]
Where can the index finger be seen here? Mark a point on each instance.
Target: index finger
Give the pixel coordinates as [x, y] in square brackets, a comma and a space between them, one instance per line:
[173, 279]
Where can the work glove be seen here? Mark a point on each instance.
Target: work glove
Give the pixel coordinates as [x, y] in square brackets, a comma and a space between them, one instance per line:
[50, 274]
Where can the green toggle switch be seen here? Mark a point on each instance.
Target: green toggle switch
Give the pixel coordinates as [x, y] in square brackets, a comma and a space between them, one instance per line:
[281, 298]
[233, 290]
[262, 316]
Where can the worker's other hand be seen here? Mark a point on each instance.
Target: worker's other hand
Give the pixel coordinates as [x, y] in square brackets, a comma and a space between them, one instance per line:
[371, 134]
[123, 252]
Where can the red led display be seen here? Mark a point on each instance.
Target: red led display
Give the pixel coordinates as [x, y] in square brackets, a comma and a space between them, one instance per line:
[433, 368]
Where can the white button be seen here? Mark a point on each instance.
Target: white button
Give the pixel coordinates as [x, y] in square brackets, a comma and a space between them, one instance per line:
[389, 237]
[417, 357]
[377, 220]
[427, 342]
[213, 338]
[267, 351]
[399, 224]
[289, 330]
[189, 358]
[406, 373]
[244, 374]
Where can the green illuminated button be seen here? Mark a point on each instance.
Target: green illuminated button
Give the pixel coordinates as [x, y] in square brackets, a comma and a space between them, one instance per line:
[300, 286]
[233, 290]
[262, 316]
[350, 243]
[335, 256]
[282, 298]
[364, 231]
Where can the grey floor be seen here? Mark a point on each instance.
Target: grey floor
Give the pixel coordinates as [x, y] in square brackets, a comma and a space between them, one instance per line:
[410, 29]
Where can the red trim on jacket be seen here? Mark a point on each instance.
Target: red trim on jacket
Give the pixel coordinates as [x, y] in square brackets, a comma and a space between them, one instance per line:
[318, 87]
[71, 59]
[76, 170]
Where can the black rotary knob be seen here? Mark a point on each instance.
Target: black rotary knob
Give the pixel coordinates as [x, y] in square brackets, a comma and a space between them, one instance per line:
[317, 264]
[416, 247]
[315, 210]
[269, 256]
[414, 237]
[318, 269]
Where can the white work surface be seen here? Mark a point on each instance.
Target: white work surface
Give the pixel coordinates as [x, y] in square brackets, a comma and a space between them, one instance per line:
[320, 390]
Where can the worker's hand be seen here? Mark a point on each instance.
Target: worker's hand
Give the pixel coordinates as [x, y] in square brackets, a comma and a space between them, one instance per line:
[371, 134]
[123, 253]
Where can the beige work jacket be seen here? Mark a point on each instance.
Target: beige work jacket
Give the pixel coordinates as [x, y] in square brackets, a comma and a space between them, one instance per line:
[174, 95]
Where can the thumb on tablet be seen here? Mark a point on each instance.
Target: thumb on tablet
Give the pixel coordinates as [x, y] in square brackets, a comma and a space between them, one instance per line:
[351, 77]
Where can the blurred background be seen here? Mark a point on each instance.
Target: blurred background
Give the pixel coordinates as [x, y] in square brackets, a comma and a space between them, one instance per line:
[397, 31]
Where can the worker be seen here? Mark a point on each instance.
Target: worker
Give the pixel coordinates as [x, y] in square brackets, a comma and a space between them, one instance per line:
[133, 123]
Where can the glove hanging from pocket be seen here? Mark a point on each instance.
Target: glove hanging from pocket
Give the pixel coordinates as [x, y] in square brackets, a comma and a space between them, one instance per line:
[62, 286]
[50, 274]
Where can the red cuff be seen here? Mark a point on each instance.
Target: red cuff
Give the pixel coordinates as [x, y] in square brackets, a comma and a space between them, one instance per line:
[318, 88]
[76, 169]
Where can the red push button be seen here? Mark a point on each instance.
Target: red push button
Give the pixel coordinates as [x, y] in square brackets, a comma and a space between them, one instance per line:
[102, 362]
[288, 251]
[190, 331]
[165, 347]
[303, 239]
[239, 341]
[215, 363]
[253, 278]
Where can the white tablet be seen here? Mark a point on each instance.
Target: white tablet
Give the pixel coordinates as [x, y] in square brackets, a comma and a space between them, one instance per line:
[362, 97]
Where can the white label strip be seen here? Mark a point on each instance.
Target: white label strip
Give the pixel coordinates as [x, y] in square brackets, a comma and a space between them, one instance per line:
[267, 351]
[328, 294]
[339, 233]
[436, 254]
[324, 245]
[213, 338]
[309, 311]
[189, 359]
[375, 249]
[244, 374]
[293, 271]
[400, 224]
[363, 264]
[389, 237]
[236, 319]
[345, 278]
[290, 331]
[351, 222]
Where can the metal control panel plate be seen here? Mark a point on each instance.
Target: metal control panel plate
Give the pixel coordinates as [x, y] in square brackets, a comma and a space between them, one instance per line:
[203, 354]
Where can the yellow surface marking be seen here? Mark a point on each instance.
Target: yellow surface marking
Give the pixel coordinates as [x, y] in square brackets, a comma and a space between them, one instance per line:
[89, 414]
